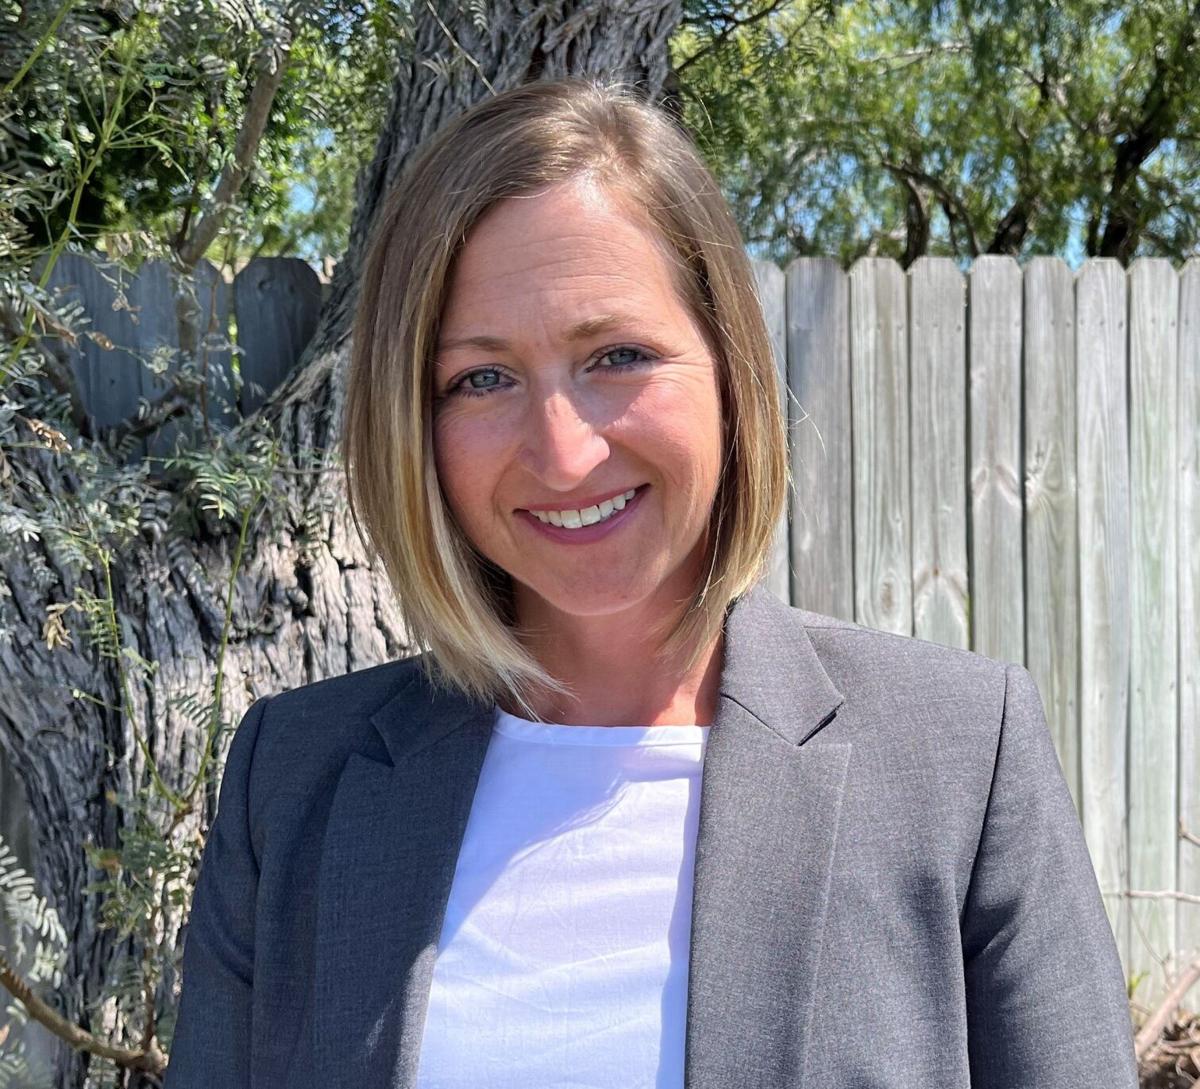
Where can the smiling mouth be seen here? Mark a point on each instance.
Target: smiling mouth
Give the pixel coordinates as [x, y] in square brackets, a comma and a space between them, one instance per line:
[578, 518]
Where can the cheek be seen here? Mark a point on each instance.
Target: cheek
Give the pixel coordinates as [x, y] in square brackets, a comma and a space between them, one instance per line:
[686, 421]
[462, 457]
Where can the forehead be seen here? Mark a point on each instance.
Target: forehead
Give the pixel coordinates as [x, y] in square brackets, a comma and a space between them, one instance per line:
[557, 253]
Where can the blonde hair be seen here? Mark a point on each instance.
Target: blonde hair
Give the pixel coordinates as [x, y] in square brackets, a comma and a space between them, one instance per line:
[456, 604]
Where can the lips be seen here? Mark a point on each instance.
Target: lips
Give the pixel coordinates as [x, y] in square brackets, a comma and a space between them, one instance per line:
[576, 518]
[584, 534]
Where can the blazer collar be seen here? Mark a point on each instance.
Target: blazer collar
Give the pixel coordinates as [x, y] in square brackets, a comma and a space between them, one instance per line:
[771, 670]
[419, 715]
[769, 813]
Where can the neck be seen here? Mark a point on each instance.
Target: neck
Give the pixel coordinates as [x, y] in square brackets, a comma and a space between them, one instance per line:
[609, 664]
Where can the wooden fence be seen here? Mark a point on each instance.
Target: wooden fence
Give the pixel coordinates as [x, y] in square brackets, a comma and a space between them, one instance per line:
[143, 325]
[1006, 460]
[1010, 461]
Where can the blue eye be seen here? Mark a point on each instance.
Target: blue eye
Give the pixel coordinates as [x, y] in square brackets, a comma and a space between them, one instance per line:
[478, 383]
[629, 363]
[491, 380]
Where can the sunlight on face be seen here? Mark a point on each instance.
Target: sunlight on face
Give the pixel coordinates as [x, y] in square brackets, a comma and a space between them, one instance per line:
[569, 372]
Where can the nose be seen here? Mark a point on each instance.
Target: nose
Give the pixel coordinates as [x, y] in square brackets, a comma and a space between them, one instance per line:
[561, 445]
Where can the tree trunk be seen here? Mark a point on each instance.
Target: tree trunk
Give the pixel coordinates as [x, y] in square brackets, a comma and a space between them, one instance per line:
[307, 606]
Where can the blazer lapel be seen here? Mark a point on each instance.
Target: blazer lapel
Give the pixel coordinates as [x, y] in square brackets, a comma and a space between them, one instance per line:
[387, 864]
[769, 806]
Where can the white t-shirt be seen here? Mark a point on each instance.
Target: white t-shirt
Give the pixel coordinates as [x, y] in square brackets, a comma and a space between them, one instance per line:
[564, 951]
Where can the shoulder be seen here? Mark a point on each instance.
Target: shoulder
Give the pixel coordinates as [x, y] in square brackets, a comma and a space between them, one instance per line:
[773, 636]
[869, 655]
[304, 735]
[887, 692]
[930, 725]
[350, 696]
[936, 692]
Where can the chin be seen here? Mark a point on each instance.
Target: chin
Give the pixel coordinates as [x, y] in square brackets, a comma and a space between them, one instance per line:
[589, 601]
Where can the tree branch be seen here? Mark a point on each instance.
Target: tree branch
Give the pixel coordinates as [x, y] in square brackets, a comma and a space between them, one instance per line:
[150, 1059]
[1162, 894]
[169, 406]
[1153, 1028]
[272, 64]
[909, 57]
[1159, 113]
[948, 199]
[916, 219]
[1012, 229]
[732, 25]
[1053, 91]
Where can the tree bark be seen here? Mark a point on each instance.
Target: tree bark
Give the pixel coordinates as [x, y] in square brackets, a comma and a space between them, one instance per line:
[307, 605]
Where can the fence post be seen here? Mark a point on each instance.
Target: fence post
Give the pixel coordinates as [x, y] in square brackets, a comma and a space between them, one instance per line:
[938, 358]
[769, 281]
[997, 565]
[1051, 513]
[277, 301]
[1102, 464]
[1187, 941]
[818, 362]
[1153, 683]
[879, 413]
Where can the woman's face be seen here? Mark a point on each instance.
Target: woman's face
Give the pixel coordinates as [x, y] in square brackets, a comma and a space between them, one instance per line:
[568, 375]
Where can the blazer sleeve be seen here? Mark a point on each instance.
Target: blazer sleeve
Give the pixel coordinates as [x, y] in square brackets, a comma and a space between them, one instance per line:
[211, 1044]
[1046, 1000]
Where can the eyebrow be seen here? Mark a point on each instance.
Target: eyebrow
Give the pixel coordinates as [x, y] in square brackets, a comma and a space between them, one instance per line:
[581, 330]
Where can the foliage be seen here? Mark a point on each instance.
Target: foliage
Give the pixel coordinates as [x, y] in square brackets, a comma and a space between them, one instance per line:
[186, 68]
[903, 127]
[27, 915]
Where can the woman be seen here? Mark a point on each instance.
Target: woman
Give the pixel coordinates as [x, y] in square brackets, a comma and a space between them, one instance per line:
[629, 821]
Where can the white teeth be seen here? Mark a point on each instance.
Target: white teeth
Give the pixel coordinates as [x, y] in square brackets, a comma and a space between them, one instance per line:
[589, 516]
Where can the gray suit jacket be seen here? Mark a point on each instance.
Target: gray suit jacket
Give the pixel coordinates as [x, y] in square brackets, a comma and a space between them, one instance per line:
[891, 884]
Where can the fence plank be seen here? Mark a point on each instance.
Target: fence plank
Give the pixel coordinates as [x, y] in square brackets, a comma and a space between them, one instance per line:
[208, 314]
[1153, 358]
[193, 316]
[1051, 539]
[1188, 925]
[277, 301]
[879, 411]
[769, 280]
[143, 316]
[938, 357]
[818, 350]
[155, 340]
[1102, 466]
[109, 378]
[997, 565]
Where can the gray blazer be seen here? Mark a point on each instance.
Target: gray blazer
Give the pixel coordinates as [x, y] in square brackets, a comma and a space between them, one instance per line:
[891, 885]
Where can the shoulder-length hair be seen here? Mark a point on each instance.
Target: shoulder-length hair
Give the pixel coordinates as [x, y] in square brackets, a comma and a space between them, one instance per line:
[456, 604]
